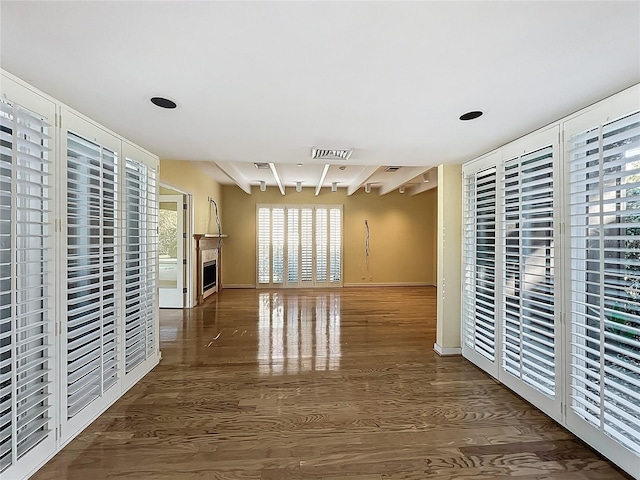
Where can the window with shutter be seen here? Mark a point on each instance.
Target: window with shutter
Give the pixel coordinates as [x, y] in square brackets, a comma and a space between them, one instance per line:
[528, 292]
[26, 322]
[604, 182]
[299, 245]
[479, 250]
[92, 271]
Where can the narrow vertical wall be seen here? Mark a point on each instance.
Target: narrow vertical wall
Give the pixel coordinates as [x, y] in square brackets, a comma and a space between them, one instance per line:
[449, 260]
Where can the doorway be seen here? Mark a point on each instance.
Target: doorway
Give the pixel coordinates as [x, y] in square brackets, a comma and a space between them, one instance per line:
[172, 278]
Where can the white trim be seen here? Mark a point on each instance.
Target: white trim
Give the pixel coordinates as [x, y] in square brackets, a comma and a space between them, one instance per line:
[447, 351]
[389, 284]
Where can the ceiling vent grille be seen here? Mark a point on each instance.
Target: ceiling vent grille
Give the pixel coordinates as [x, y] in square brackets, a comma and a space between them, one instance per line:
[392, 169]
[262, 166]
[331, 154]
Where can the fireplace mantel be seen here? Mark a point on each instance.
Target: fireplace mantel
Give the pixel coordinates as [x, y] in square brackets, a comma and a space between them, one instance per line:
[208, 246]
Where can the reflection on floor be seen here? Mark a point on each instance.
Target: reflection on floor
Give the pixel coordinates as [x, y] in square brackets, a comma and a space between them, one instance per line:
[319, 384]
[298, 334]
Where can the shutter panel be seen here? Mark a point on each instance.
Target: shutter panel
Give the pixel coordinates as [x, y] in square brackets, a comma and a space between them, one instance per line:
[321, 245]
[26, 321]
[335, 245]
[528, 293]
[604, 180]
[264, 244]
[136, 264]
[92, 272]
[306, 240]
[293, 245]
[141, 222]
[277, 245]
[479, 250]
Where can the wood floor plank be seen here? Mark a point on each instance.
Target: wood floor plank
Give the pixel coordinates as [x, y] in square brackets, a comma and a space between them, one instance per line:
[330, 384]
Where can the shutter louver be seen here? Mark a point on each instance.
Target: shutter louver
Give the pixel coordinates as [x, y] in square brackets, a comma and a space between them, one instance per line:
[528, 293]
[92, 272]
[25, 309]
[604, 183]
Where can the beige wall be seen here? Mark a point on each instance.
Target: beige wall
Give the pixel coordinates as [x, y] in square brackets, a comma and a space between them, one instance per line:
[187, 177]
[402, 240]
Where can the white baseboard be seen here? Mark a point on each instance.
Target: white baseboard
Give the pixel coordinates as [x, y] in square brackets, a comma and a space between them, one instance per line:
[238, 285]
[395, 284]
[447, 351]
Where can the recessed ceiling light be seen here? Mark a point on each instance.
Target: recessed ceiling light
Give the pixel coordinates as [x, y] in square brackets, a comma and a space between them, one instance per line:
[163, 102]
[299, 164]
[342, 167]
[471, 115]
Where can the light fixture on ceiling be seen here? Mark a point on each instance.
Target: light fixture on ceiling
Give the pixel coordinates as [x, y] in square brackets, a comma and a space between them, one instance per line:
[276, 176]
[342, 167]
[263, 186]
[299, 164]
[401, 189]
[471, 115]
[298, 187]
[322, 177]
[367, 188]
[163, 102]
[261, 166]
[425, 177]
[334, 187]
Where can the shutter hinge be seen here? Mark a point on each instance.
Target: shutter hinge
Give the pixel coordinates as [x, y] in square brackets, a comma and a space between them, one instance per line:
[184, 206]
[184, 261]
[56, 433]
[184, 290]
[184, 235]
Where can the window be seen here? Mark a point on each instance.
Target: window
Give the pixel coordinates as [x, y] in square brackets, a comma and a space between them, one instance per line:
[299, 245]
[479, 260]
[604, 176]
[26, 315]
[528, 294]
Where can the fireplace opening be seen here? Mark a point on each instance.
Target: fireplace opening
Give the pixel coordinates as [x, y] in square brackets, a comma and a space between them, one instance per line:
[209, 275]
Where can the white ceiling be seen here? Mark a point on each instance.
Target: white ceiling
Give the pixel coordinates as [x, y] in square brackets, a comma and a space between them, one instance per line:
[267, 81]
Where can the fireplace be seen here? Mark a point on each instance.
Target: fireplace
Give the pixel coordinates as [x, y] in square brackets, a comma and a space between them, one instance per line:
[209, 276]
[208, 265]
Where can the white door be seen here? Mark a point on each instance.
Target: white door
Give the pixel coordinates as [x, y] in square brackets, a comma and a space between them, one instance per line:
[171, 251]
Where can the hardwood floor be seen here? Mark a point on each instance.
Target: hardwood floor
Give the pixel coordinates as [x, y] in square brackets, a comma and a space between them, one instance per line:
[339, 384]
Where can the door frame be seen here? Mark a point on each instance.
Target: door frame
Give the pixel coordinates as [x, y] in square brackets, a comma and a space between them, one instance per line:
[189, 252]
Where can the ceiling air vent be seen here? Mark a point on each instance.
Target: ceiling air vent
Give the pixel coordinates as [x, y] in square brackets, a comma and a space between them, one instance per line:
[262, 166]
[331, 154]
[392, 169]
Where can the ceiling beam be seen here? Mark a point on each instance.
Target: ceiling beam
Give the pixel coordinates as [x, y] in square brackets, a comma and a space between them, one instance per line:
[423, 186]
[277, 177]
[361, 179]
[234, 174]
[322, 177]
[402, 176]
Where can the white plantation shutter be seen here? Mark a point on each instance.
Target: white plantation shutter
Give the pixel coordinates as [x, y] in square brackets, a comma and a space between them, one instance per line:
[277, 245]
[293, 245]
[140, 263]
[528, 291]
[306, 244]
[335, 245]
[479, 260]
[321, 245]
[26, 290]
[293, 242]
[604, 183]
[264, 245]
[92, 272]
